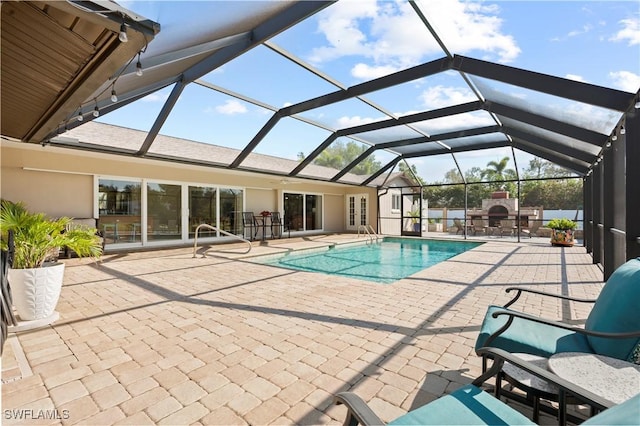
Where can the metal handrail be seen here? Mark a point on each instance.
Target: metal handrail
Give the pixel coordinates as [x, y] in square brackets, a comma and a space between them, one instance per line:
[374, 232]
[370, 232]
[213, 228]
[365, 230]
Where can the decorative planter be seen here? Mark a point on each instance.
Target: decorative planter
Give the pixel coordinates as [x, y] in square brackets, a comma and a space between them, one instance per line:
[416, 227]
[36, 291]
[435, 227]
[562, 237]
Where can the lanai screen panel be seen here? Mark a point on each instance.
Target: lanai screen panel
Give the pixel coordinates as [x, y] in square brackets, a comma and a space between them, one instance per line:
[363, 52]
[436, 91]
[390, 134]
[590, 117]
[556, 138]
[465, 121]
[455, 144]
[279, 83]
[468, 161]
[434, 166]
[217, 118]
[287, 139]
[347, 113]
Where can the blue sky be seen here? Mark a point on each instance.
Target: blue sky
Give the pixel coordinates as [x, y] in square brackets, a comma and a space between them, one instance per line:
[354, 41]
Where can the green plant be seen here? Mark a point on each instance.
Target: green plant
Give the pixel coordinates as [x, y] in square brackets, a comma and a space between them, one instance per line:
[562, 224]
[414, 215]
[38, 239]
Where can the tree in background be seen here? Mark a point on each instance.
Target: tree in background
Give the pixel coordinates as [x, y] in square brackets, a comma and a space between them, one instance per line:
[565, 194]
[339, 154]
[402, 168]
[497, 172]
[560, 194]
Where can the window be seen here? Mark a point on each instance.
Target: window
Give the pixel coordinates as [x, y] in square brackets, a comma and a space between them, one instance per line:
[395, 201]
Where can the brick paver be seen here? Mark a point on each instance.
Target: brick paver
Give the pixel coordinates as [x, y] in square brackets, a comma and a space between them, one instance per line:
[160, 337]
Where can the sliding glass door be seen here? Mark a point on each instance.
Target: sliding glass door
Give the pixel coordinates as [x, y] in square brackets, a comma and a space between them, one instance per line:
[302, 212]
[203, 208]
[164, 211]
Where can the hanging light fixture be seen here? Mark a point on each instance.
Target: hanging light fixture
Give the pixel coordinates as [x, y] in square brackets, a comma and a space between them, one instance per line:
[138, 66]
[96, 111]
[608, 144]
[80, 116]
[622, 130]
[123, 33]
[638, 104]
[614, 138]
[114, 96]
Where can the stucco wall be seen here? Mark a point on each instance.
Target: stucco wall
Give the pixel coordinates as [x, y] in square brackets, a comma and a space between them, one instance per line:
[61, 182]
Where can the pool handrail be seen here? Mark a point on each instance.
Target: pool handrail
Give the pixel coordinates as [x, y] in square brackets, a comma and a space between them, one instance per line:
[213, 228]
[369, 231]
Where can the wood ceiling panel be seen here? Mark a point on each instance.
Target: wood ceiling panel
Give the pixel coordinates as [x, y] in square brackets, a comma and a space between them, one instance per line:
[53, 56]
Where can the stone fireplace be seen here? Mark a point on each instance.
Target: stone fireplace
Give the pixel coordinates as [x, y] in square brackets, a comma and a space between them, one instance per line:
[501, 207]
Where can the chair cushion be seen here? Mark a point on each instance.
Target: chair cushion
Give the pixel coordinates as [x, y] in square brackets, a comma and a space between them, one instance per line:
[530, 337]
[616, 310]
[468, 405]
[627, 413]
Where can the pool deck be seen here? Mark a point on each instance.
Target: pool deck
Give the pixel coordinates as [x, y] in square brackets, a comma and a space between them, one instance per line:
[160, 337]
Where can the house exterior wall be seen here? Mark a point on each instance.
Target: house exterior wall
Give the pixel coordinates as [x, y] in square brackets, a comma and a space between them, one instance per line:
[61, 182]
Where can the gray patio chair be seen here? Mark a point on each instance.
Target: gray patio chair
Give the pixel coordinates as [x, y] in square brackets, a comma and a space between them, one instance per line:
[249, 223]
[276, 225]
[470, 405]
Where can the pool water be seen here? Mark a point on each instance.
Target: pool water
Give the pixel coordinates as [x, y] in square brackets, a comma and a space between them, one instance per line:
[383, 262]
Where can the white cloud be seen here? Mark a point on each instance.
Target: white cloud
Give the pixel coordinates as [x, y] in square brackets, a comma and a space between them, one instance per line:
[625, 80]
[156, 97]
[575, 77]
[354, 121]
[585, 29]
[441, 96]
[630, 31]
[392, 36]
[368, 72]
[230, 107]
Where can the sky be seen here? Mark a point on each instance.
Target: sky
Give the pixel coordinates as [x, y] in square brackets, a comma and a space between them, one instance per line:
[355, 41]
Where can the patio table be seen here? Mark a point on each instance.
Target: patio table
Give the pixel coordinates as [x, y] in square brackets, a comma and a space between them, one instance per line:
[611, 378]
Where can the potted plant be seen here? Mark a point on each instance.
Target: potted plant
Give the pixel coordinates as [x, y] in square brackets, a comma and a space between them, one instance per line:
[562, 231]
[414, 214]
[36, 275]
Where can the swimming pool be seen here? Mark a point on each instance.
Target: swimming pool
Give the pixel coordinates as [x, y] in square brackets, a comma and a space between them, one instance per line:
[383, 262]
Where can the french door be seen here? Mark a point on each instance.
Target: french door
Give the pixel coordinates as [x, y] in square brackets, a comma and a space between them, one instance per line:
[357, 211]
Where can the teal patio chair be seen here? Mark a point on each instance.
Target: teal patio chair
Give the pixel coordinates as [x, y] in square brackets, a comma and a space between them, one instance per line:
[612, 327]
[470, 405]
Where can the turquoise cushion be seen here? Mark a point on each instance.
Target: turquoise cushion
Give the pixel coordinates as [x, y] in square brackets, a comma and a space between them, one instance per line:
[530, 337]
[627, 413]
[616, 310]
[466, 406]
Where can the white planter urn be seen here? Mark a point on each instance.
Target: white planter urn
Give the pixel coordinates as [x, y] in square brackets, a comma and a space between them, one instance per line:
[36, 291]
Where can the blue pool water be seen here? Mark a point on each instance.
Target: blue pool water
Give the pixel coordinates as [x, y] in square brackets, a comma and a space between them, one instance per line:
[384, 262]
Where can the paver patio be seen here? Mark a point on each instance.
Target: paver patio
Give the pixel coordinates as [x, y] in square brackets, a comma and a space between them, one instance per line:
[164, 338]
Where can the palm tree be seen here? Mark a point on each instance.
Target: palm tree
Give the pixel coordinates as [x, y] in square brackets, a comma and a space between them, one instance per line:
[497, 171]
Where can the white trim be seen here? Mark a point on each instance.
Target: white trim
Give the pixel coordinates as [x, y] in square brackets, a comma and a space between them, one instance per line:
[35, 169]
